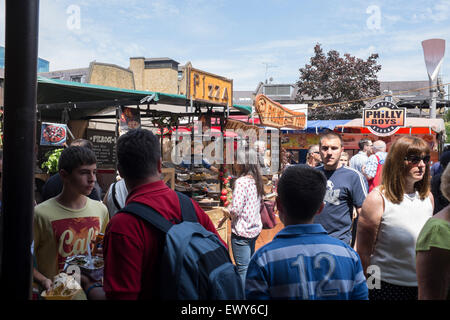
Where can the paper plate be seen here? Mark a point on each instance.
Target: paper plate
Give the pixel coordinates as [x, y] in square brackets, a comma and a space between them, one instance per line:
[52, 297]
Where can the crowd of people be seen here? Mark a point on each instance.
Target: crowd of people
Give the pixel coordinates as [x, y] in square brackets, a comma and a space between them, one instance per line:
[347, 221]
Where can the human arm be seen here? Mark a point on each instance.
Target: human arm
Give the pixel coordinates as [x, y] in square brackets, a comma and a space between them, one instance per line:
[368, 224]
[238, 200]
[93, 289]
[433, 273]
[356, 213]
[38, 277]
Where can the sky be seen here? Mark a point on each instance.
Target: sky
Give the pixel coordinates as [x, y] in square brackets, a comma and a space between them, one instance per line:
[244, 40]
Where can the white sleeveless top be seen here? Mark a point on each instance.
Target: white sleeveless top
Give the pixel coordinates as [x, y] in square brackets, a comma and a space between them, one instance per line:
[400, 226]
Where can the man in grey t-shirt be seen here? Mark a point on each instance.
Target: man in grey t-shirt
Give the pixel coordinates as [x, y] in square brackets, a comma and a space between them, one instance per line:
[346, 188]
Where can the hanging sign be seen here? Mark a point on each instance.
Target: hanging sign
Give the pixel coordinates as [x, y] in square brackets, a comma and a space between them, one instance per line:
[273, 114]
[129, 119]
[210, 88]
[53, 134]
[384, 118]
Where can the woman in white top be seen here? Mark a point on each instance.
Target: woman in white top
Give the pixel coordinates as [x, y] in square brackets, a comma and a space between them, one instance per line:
[391, 219]
[245, 215]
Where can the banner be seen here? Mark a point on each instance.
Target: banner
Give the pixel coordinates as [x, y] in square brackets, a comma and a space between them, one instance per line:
[53, 134]
[273, 114]
[298, 141]
[129, 119]
[384, 118]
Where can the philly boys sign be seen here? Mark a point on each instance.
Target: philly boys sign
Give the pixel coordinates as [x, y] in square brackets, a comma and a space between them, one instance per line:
[384, 118]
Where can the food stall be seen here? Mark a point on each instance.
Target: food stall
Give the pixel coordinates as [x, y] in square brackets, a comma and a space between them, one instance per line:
[101, 114]
[431, 130]
[298, 141]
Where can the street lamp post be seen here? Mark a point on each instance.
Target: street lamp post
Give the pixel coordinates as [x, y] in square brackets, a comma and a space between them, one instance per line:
[21, 47]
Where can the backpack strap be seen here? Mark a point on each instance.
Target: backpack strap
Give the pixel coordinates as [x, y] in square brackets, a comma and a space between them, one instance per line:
[148, 214]
[113, 195]
[187, 208]
[156, 219]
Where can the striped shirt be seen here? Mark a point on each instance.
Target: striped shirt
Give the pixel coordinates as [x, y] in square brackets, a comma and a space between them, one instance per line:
[358, 161]
[303, 263]
[372, 164]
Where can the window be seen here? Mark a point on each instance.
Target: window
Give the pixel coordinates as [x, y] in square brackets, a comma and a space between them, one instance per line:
[75, 78]
[277, 90]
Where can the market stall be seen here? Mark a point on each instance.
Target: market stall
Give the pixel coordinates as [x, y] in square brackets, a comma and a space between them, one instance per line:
[101, 114]
[431, 130]
[297, 142]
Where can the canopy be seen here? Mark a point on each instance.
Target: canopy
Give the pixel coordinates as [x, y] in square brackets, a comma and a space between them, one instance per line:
[412, 126]
[83, 99]
[316, 126]
[51, 91]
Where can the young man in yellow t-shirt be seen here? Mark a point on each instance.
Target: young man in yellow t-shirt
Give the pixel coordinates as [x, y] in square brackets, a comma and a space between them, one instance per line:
[65, 225]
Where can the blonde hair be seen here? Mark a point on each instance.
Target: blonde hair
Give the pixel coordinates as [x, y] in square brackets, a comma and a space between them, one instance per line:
[445, 183]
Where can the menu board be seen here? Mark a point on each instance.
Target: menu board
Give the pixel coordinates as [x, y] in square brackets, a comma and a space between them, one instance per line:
[104, 143]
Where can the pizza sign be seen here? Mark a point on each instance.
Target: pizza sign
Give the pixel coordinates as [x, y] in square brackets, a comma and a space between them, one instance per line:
[384, 118]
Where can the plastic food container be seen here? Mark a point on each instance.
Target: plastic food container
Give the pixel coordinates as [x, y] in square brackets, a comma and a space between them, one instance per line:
[94, 271]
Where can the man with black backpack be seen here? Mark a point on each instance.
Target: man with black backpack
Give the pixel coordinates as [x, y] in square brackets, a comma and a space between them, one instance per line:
[162, 245]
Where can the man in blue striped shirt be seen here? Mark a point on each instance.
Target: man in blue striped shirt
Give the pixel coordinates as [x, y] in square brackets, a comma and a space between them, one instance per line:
[303, 261]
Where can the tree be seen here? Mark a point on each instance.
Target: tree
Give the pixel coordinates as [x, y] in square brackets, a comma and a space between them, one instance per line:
[334, 79]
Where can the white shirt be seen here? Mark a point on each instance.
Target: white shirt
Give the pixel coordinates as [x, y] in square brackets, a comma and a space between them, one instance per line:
[395, 249]
[121, 195]
[358, 161]
[245, 209]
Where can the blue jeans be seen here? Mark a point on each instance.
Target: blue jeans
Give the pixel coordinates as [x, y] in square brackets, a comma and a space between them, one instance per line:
[243, 249]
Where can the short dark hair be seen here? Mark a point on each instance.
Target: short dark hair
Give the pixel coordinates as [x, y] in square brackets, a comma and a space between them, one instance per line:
[330, 134]
[444, 159]
[362, 143]
[301, 190]
[74, 157]
[138, 153]
[82, 143]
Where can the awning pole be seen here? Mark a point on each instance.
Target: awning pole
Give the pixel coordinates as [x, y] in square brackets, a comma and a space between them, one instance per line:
[21, 54]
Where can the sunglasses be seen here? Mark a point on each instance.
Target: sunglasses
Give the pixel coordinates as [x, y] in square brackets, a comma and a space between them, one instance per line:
[417, 159]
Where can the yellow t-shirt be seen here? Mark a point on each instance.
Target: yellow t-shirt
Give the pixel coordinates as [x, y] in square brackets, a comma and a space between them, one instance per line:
[61, 232]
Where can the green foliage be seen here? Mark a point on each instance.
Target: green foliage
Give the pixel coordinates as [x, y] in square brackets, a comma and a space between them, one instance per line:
[51, 165]
[447, 130]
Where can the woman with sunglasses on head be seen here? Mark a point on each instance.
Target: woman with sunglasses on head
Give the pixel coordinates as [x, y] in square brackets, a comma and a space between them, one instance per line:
[391, 219]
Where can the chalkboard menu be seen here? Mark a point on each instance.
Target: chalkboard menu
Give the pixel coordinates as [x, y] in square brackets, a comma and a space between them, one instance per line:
[104, 147]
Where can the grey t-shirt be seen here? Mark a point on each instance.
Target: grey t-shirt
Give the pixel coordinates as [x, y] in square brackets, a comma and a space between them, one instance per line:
[346, 188]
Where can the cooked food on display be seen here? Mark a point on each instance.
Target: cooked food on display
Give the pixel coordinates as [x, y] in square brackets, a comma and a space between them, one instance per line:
[63, 286]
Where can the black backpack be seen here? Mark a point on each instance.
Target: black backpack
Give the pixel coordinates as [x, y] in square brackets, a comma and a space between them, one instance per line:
[195, 264]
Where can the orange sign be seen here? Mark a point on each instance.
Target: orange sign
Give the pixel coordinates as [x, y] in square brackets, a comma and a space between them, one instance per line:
[273, 114]
[384, 118]
[210, 88]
